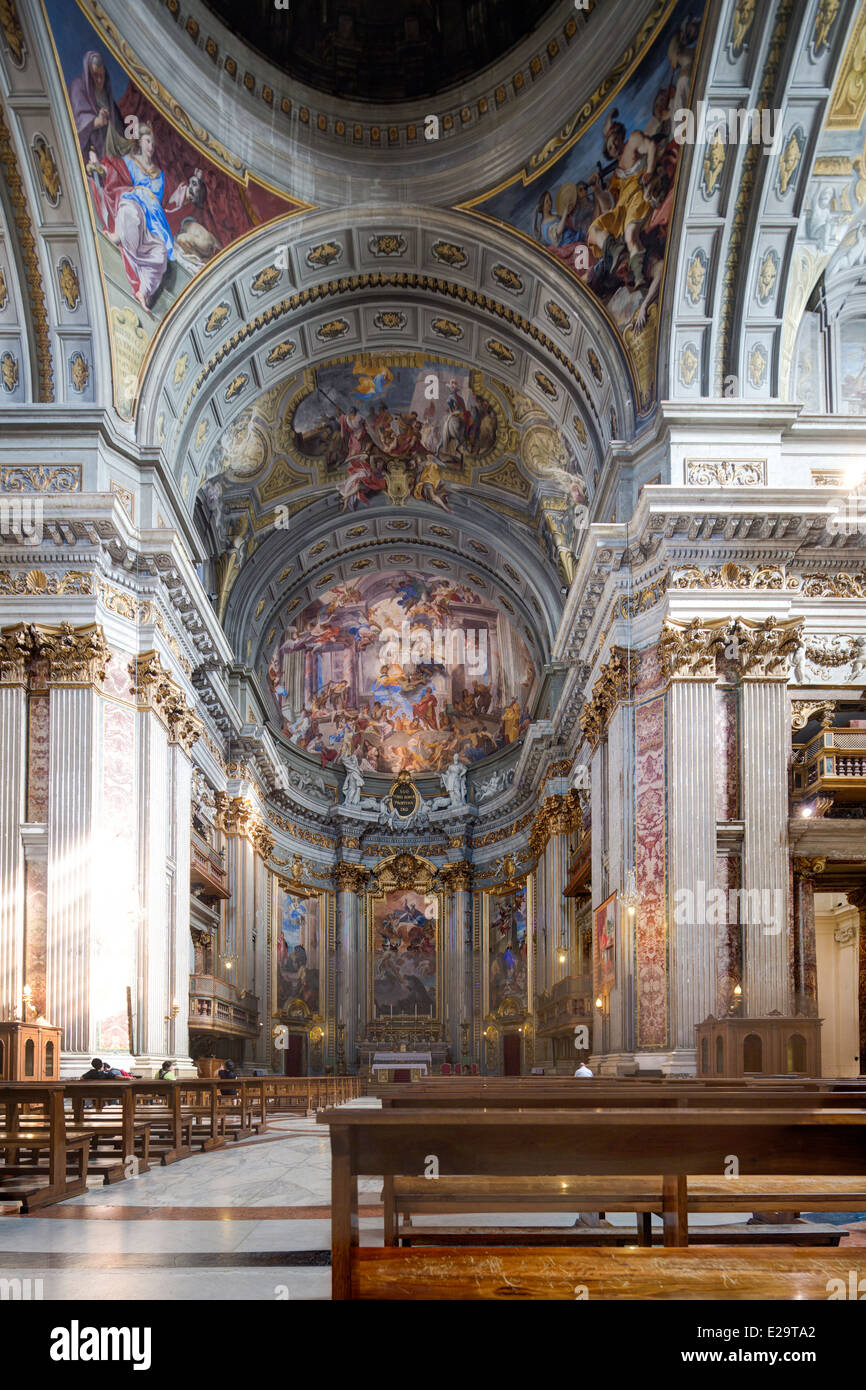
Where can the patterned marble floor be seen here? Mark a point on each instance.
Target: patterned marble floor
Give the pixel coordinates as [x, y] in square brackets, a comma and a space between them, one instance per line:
[249, 1222]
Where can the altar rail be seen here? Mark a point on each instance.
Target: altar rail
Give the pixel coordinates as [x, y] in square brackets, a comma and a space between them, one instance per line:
[305, 1094]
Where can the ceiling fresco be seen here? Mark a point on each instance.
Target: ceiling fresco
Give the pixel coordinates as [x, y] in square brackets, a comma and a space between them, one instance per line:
[410, 430]
[599, 198]
[164, 204]
[403, 669]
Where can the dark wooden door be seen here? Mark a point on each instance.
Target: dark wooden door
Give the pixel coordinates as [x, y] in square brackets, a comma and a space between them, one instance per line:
[295, 1055]
[511, 1054]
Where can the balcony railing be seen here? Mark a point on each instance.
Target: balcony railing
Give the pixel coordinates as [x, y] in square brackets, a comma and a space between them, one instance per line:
[215, 1005]
[207, 867]
[832, 764]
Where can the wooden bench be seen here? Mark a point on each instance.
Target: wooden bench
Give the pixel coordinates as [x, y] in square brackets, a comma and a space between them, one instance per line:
[46, 1178]
[543, 1143]
[306, 1094]
[701, 1272]
[404, 1198]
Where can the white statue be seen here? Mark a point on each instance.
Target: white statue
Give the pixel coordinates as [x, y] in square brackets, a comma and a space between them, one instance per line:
[858, 659]
[454, 781]
[354, 780]
[799, 665]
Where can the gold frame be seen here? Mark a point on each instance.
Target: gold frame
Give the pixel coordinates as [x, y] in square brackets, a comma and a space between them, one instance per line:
[415, 874]
[296, 1012]
[503, 1016]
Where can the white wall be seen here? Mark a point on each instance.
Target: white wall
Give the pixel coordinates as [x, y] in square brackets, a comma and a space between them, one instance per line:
[837, 983]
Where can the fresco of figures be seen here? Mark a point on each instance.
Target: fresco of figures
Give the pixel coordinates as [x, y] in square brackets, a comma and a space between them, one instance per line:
[402, 670]
[603, 206]
[298, 952]
[162, 209]
[385, 428]
[404, 954]
[507, 950]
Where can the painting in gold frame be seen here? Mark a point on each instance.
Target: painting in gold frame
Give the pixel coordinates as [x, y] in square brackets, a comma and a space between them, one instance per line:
[604, 943]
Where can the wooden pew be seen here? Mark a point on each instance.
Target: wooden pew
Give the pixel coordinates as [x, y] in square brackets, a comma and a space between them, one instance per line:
[159, 1103]
[306, 1094]
[45, 1178]
[678, 1143]
[404, 1196]
[702, 1272]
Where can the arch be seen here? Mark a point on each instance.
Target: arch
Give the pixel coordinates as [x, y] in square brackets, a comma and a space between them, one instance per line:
[753, 1053]
[29, 1058]
[796, 1053]
[720, 1056]
[49, 1059]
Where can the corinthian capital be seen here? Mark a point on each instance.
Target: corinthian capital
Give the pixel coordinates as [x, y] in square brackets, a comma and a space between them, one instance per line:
[76, 656]
[350, 877]
[615, 683]
[764, 649]
[457, 877]
[688, 651]
[18, 645]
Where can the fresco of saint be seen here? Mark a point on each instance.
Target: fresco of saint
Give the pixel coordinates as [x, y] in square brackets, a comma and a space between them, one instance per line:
[507, 950]
[297, 952]
[602, 207]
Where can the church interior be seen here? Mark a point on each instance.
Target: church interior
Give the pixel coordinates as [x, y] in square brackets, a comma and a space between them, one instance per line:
[433, 650]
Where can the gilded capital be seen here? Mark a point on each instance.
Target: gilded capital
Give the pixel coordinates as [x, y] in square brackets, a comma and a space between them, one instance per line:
[350, 878]
[557, 815]
[808, 869]
[615, 683]
[763, 649]
[76, 656]
[457, 877]
[688, 651]
[18, 646]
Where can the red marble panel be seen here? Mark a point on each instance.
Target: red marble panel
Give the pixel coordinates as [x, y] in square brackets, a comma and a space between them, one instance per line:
[727, 761]
[651, 858]
[728, 955]
[37, 757]
[35, 932]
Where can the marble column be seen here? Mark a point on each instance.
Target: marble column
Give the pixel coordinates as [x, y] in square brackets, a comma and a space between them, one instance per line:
[804, 971]
[692, 847]
[165, 733]
[456, 877]
[350, 957]
[764, 895]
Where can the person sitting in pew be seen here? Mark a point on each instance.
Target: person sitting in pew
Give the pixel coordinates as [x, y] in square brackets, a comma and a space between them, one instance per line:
[97, 1071]
[167, 1072]
[115, 1073]
[227, 1072]
[583, 1070]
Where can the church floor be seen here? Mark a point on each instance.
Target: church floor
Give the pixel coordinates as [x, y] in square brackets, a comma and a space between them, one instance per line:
[247, 1222]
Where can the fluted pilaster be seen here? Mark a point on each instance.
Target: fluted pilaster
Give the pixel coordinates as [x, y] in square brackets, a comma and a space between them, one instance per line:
[692, 844]
[72, 787]
[764, 910]
[13, 744]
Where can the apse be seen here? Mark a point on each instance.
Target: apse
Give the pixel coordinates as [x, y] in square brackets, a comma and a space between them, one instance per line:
[403, 669]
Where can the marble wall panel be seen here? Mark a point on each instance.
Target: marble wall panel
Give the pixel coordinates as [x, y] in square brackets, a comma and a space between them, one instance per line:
[651, 858]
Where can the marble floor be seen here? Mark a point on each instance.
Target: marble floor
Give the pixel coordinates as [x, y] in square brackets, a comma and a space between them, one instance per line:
[251, 1221]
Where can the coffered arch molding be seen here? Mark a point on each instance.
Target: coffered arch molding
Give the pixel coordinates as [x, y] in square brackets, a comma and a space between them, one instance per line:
[734, 259]
[316, 285]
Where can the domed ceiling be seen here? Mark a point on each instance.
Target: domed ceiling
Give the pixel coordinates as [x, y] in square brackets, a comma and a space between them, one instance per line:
[382, 50]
